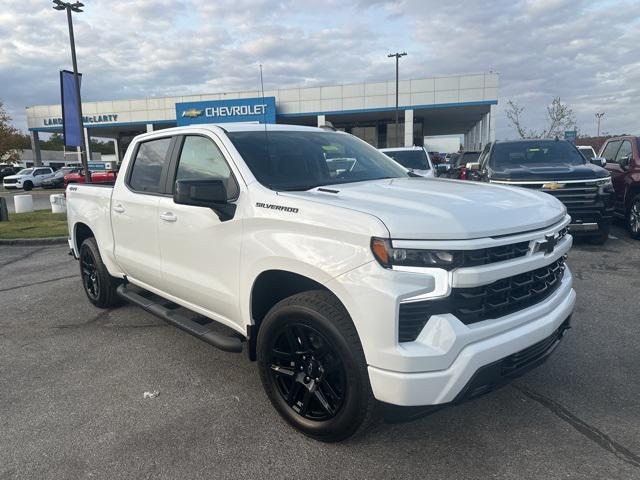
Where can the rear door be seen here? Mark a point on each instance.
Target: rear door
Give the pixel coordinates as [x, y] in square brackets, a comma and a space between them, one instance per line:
[201, 253]
[134, 211]
[39, 174]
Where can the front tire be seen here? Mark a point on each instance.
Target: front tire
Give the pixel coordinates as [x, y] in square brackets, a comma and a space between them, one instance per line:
[313, 368]
[27, 186]
[99, 286]
[633, 218]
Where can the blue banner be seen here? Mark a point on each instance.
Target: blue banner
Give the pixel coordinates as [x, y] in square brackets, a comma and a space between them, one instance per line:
[72, 131]
[261, 110]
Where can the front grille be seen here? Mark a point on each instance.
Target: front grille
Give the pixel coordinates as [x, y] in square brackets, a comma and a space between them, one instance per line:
[484, 256]
[8, 181]
[494, 300]
[578, 194]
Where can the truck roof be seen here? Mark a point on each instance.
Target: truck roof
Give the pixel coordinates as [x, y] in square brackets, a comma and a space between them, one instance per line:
[237, 127]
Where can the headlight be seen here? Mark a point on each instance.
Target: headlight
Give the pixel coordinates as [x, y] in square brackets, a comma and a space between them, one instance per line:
[388, 256]
[604, 185]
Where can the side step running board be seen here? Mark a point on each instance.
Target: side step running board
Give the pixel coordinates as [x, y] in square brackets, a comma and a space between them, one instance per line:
[228, 343]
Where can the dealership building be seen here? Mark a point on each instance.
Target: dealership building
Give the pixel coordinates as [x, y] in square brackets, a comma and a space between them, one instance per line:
[448, 105]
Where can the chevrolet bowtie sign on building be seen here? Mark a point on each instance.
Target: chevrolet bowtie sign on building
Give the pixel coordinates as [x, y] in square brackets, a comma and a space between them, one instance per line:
[260, 110]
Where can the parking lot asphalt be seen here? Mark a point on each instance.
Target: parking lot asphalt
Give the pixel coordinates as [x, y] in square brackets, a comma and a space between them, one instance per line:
[72, 379]
[40, 197]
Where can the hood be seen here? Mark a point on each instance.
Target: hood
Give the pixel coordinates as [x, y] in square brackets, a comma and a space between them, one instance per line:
[14, 177]
[554, 172]
[438, 209]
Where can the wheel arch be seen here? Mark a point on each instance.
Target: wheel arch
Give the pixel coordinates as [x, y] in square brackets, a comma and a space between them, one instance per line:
[633, 192]
[270, 287]
[81, 231]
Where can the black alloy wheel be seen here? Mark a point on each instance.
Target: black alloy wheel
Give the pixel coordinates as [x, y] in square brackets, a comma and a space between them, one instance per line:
[307, 372]
[633, 218]
[99, 286]
[313, 367]
[89, 272]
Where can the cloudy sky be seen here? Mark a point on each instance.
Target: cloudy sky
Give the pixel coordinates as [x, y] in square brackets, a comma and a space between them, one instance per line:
[586, 52]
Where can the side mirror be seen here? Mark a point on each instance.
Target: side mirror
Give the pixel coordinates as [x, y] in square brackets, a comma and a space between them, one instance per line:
[473, 166]
[625, 161]
[599, 161]
[205, 193]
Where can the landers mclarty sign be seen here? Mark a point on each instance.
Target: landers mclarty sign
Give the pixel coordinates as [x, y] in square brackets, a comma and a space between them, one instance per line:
[110, 118]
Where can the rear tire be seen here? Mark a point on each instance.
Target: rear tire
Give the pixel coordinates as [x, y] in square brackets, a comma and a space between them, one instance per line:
[99, 286]
[313, 368]
[27, 186]
[633, 218]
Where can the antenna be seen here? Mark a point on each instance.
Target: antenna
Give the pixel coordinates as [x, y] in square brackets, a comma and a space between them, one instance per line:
[264, 116]
[264, 110]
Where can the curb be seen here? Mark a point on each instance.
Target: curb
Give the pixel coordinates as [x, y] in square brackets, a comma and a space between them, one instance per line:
[34, 241]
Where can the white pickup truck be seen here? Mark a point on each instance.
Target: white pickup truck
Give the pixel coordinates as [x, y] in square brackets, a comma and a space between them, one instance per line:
[27, 178]
[354, 288]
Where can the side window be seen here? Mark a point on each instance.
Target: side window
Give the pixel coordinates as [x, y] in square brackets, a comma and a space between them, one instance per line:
[201, 159]
[41, 171]
[625, 151]
[610, 151]
[147, 166]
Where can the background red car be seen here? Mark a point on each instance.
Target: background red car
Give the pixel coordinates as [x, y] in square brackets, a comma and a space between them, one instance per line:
[106, 176]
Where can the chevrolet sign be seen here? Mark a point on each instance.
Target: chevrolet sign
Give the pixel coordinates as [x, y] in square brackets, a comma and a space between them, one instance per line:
[262, 110]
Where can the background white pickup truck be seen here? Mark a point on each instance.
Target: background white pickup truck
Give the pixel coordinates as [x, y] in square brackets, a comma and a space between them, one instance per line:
[352, 287]
[27, 178]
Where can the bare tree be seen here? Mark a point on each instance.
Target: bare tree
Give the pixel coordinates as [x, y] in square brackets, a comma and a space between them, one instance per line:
[513, 112]
[560, 117]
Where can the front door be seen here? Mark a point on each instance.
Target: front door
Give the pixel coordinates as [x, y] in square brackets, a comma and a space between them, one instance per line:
[201, 253]
[134, 213]
[610, 153]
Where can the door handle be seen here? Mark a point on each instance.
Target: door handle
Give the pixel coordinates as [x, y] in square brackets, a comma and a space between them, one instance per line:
[118, 208]
[168, 217]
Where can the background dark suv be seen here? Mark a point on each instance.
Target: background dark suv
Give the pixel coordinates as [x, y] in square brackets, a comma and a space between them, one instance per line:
[557, 168]
[623, 163]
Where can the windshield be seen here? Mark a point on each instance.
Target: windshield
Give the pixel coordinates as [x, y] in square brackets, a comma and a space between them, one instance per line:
[298, 160]
[414, 159]
[25, 171]
[535, 153]
[469, 157]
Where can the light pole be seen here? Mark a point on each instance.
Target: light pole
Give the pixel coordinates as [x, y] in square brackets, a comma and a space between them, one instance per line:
[76, 7]
[599, 116]
[397, 55]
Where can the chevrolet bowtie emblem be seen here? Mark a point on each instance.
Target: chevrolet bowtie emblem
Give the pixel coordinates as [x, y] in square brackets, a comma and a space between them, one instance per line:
[553, 186]
[192, 113]
[547, 245]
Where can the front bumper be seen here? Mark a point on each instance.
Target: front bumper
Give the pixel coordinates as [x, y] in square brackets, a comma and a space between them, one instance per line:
[434, 368]
[448, 385]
